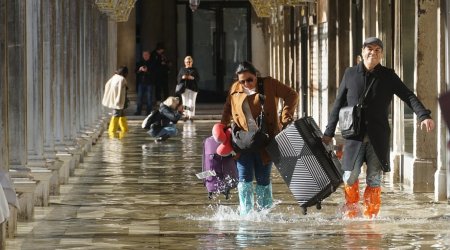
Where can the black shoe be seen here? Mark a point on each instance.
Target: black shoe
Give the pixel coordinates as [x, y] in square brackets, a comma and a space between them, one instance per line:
[137, 113]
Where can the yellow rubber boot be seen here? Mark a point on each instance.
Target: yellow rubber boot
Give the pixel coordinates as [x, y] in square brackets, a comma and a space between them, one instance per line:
[351, 207]
[372, 201]
[123, 124]
[113, 124]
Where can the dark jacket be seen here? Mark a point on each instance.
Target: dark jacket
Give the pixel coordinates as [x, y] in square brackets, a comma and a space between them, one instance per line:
[168, 115]
[375, 115]
[158, 65]
[190, 84]
[143, 77]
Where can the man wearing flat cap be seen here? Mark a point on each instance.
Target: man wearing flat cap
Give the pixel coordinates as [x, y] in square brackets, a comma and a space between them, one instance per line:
[372, 144]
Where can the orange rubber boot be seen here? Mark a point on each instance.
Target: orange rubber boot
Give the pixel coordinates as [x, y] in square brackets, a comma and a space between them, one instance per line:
[372, 201]
[351, 208]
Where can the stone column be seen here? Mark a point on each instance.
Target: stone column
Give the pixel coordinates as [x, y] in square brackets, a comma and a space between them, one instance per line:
[88, 61]
[35, 126]
[126, 48]
[67, 79]
[48, 74]
[16, 83]
[424, 166]
[74, 68]
[398, 133]
[59, 77]
[84, 70]
[4, 157]
[447, 76]
[440, 191]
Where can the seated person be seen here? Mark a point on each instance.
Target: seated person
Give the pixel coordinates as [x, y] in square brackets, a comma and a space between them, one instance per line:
[170, 112]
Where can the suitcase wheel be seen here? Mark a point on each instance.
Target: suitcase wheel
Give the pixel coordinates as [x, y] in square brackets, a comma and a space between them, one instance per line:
[210, 194]
[319, 205]
[304, 210]
[227, 194]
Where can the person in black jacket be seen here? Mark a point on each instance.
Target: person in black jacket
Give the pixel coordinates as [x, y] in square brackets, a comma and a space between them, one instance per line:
[372, 146]
[144, 83]
[159, 73]
[188, 77]
[170, 112]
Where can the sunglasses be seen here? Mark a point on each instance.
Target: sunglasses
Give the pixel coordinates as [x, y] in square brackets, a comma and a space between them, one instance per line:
[248, 80]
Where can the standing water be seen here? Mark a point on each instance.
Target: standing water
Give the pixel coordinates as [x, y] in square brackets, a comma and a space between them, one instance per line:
[133, 193]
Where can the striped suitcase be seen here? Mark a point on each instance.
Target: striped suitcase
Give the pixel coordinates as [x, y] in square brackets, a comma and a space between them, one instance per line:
[311, 172]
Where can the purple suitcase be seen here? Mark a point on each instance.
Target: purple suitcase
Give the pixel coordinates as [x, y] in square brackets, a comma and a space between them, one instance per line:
[226, 177]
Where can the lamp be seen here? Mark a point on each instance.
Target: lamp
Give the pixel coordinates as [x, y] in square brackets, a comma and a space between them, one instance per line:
[193, 4]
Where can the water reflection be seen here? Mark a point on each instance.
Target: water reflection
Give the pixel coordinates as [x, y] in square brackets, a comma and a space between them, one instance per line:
[362, 233]
[145, 195]
[112, 150]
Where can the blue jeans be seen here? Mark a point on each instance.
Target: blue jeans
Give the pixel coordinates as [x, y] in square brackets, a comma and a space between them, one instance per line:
[249, 163]
[146, 90]
[366, 153]
[170, 130]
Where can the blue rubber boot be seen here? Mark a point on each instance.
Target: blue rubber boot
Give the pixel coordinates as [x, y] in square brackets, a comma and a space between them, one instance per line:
[246, 199]
[264, 198]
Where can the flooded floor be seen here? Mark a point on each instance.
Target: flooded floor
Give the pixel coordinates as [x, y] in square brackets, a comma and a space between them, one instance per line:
[133, 193]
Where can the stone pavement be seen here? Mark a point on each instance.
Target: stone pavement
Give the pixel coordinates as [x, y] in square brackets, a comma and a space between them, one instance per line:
[133, 193]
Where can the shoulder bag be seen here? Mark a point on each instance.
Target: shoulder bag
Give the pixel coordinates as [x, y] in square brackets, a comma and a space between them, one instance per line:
[350, 117]
[252, 141]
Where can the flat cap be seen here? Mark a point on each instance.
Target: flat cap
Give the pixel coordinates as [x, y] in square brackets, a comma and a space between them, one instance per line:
[373, 40]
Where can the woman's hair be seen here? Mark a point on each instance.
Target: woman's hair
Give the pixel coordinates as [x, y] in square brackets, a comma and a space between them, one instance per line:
[172, 102]
[246, 66]
[122, 70]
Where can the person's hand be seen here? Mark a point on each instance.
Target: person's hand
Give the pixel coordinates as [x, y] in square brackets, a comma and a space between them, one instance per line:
[428, 124]
[327, 139]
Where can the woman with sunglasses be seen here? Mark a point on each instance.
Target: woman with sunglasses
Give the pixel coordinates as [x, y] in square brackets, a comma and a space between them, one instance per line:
[243, 107]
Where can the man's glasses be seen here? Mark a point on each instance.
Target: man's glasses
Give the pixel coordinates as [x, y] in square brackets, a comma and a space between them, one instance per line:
[248, 80]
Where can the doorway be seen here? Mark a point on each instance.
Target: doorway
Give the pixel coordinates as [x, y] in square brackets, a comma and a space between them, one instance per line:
[218, 37]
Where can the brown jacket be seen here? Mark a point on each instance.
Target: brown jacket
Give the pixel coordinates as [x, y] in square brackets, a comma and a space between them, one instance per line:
[273, 90]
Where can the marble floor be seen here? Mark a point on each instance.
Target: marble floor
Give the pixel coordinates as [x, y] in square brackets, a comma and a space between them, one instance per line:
[133, 193]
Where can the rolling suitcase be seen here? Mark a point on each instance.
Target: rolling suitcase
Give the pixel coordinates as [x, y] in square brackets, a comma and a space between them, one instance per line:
[221, 172]
[311, 172]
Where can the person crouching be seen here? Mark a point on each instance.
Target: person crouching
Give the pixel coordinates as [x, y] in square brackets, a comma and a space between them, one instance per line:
[170, 112]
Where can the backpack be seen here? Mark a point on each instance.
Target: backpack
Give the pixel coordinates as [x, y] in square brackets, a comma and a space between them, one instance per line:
[153, 118]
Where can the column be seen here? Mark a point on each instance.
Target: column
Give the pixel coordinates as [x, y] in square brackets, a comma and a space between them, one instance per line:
[58, 107]
[447, 76]
[48, 74]
[16, 83]
[440, 191]
[126, 47]
[49, 92]
[398, 132]
[67, 79]
[75, 71]
[34, 82]
[425, 144]
[4, 157]
[82, 29]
